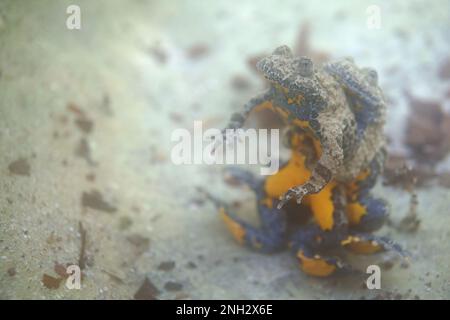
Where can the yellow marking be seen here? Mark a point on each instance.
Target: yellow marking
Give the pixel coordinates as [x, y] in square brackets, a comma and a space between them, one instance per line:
[293, 174]
[355, 211]
[297, 100]
[315, 266]
[296, 173]
[364, 247]
[322, 206]
[361, 247]
[236, 230]
[363, 175]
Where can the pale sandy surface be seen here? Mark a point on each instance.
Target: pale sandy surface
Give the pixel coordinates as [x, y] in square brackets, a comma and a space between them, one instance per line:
[129, 70]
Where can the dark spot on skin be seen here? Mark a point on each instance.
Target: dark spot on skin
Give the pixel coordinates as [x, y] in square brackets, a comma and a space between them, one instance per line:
[94, 200]
[173, 286]
[323, 172]
[147, 291]
[197, 51]
[191, 265]
[166, 265]
[12, 272]
[20, 167]
[51, 282]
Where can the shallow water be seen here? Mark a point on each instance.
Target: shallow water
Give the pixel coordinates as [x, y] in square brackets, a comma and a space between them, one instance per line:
[86, 118]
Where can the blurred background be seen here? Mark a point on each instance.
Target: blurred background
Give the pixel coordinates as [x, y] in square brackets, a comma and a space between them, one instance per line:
[86, 118]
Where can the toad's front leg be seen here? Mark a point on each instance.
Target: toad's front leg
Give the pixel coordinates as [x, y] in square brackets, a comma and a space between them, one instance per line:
[261, 102]
[331, 159]
[319, 179]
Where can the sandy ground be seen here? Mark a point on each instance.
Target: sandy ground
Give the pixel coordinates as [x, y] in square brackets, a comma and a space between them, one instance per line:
[85, 123]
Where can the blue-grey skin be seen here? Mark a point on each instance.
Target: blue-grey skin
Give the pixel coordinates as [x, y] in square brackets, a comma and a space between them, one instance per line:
[361, 87]
[273, 235]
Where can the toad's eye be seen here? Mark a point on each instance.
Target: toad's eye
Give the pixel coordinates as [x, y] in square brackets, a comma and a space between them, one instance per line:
[283, 51]
[304, 66]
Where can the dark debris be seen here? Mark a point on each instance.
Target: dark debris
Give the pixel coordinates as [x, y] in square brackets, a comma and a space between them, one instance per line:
[147, 291]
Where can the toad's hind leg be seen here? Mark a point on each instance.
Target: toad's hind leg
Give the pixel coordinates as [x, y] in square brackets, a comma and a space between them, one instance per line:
[270, 237]
[365, 243]
[306, 244]
[245, 177]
